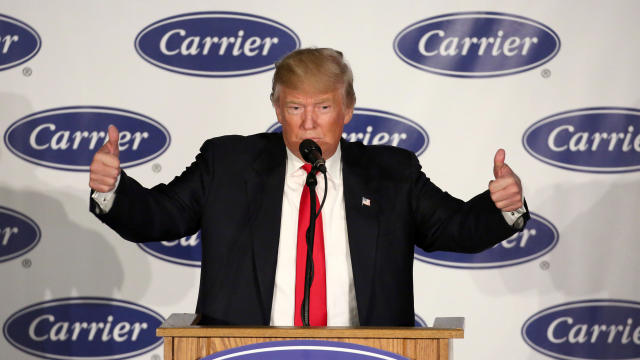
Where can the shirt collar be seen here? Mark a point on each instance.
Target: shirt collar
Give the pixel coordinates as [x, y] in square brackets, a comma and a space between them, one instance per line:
[334, 164]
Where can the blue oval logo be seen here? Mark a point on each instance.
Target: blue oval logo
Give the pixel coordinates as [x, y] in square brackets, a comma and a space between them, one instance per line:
[588, 329]
[67, 138]
[186, 251]
[19, 42]
[84, 328]
[597, 140]
[537, 238]
[216, 43]
[18, 234]
[304, 349]
[377, 127]
[476, 44]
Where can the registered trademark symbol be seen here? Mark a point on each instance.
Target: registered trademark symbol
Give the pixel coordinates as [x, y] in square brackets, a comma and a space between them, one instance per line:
[27, 71]
[26, 263]
[546, 73]
[156, 168]
[155, 357]
[544, 265]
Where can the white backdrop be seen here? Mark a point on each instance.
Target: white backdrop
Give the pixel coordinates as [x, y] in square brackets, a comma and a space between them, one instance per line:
[87, 58]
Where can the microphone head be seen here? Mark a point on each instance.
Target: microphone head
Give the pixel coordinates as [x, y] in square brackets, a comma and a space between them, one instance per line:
[307, 147]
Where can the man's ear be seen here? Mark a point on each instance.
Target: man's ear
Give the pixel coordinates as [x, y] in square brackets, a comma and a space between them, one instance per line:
[278, 114]
[348, 115]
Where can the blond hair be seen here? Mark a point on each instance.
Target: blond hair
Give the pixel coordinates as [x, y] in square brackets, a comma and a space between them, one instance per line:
[315, 69]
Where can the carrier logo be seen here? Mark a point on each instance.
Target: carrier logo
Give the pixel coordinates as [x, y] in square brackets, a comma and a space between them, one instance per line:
[588, 329]
[18, 234]
[376, 127]
[186, 251]
[304, 349]
[598, 140]
[84, 328]
[19, 42]
[215, 43]
[476, 44]
[537, 238]
[67, 138]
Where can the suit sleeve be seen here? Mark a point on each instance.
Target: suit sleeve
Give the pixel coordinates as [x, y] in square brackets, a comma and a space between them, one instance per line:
[446, 223]
[166, 211]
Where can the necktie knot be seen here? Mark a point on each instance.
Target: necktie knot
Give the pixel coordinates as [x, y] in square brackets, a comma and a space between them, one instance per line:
[307, 167]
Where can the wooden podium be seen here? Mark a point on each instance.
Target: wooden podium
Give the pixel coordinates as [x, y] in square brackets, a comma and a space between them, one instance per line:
[185, 340]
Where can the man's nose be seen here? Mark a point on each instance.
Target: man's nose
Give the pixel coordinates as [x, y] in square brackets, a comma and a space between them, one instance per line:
[308, 119]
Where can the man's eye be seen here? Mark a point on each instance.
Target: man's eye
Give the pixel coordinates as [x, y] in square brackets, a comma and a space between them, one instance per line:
[325, 107]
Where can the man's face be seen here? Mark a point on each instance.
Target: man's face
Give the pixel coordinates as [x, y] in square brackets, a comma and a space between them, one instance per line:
[316, 116]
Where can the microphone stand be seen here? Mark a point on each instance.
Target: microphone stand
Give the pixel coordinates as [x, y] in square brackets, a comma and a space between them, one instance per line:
[311, 182]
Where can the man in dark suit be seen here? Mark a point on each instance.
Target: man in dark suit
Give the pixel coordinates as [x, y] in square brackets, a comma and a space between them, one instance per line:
[243, 191]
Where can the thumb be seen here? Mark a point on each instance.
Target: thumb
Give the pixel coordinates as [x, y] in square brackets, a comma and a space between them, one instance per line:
[498, 163]
[114, 137]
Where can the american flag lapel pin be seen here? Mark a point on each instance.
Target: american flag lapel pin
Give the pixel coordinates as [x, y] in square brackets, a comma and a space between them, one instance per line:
[366, 201]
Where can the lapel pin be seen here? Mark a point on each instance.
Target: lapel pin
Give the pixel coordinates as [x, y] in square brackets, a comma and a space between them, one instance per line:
[366, 201]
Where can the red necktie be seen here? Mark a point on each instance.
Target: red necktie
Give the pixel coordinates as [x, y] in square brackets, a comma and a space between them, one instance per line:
[318, 294]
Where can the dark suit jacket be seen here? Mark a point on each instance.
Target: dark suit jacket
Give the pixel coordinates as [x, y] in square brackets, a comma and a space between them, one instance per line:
[233, 192]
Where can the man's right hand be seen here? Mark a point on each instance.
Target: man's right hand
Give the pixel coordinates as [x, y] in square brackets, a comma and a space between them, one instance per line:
[105, 166]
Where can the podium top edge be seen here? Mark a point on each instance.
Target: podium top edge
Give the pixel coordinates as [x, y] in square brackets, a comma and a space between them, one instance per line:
[185, 325]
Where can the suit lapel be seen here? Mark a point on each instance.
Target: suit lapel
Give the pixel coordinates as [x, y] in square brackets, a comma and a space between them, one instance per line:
[361, 210]
[265, 186]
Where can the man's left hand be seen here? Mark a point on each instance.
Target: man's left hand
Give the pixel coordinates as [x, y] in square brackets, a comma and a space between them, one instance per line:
[506, 189]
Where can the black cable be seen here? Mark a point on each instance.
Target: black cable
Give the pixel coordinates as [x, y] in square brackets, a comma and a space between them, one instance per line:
[324, 197]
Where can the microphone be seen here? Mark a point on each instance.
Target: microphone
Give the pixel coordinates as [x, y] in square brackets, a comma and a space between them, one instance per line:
[312, 154]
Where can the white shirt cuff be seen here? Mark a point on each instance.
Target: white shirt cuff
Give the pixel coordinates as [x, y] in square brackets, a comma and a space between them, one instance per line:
[105, 200]
[511, 216]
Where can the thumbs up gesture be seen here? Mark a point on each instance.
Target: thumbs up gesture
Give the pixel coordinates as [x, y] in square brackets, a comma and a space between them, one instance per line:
[105, 167]
[506, 189]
